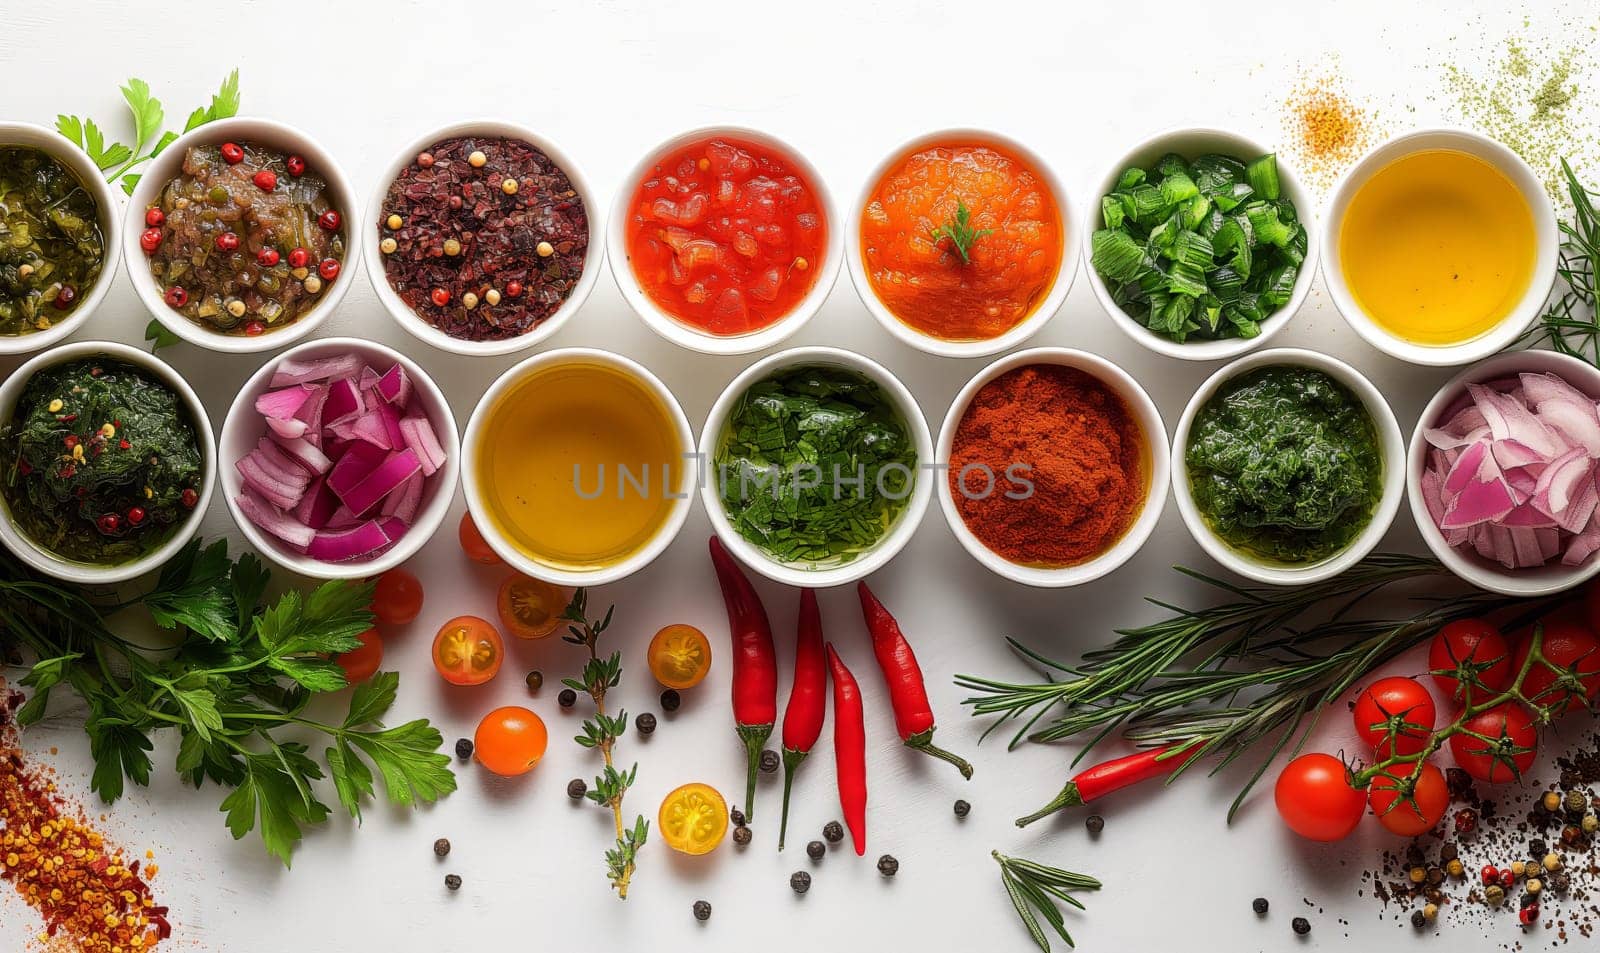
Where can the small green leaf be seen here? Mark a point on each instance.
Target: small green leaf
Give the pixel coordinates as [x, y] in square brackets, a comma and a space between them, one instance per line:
[148, 116]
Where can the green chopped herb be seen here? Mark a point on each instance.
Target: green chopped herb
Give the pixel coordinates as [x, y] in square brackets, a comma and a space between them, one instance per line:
[815, 465]
[960, 232]
[1205, 249]
[51, 248]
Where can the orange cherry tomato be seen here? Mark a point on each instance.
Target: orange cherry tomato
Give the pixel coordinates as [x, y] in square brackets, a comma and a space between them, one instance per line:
[473, 543]
[397, 597]
[510, 741]
[680, 656]
[693, 818]
[467, 651]
[359, 664]
[530, 608]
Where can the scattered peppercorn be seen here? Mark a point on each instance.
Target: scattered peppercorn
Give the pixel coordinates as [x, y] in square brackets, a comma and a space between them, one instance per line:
[1494, 894]
[1590, 824]
[670, 700]
[1448, 851]
[1455, 868]
[800, 881]
[452, 881]
[464, 748]
[1551, 862]
[741, 836]
[816, 849]
[1259, 905]
[1533, 886]
[702, 911]
[576, 789]
[1560, 881]
[1518, 869]
[1466, 821]
[1094, 823]
[535, 680]
[1575, 802]
[1418, 919]
[769, 761]
[833, 832]
[1300, 925]
[1490, 874]
[646, 723]
[1527, 915]
[888, 866]
[567, 698]
[1431, 911]
[1551, 801]
[441, 847]
[1417, 875]
[962, 808]
[737, 817]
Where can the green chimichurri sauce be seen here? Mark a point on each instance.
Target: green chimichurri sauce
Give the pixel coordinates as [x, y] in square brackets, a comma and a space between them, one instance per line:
[51, 249]
[1284, 465]
[101, 461]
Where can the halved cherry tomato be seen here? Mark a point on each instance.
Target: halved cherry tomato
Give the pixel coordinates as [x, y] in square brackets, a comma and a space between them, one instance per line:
[473, 543]
[359, 664]
[693, 818]
[467, 651]
[397, 597]
[1315, 799]
[1466, 650]
[530, 608]
[1509, 752]
[1416, 814]
[680, 656]
[510, 741]
[1574, 682]
[1395, 708]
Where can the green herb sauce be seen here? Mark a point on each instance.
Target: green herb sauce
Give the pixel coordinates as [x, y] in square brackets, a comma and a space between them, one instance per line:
[101, 462]
[815, 465]
[51, 249]
[1284, 465]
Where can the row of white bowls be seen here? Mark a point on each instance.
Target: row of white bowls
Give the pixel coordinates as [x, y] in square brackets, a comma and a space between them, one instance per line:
[611, 242]
[1166, 467]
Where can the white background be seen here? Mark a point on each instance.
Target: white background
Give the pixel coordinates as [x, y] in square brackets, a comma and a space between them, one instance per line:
[846, 82]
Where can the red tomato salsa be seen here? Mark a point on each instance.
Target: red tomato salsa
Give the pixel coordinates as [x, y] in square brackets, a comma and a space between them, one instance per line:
[726, 235]
[1008, 258]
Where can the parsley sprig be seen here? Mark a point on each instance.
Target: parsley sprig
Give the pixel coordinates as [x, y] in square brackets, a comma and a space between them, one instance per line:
[150, 135]
[236, 683]
[599, 676]
[960, 233]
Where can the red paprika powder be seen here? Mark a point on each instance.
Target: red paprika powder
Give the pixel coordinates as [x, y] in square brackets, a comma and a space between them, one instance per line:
[1048, 466]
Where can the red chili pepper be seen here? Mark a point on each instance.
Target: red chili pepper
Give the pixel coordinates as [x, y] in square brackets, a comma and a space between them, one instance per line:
[808, 699]
[850, 750]
[755, 664]
[1102, 779]
[913, 716]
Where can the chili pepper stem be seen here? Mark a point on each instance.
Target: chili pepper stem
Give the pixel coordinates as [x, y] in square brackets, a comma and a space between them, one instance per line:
[1069, 797]
[791, 761]
[923, 741]
[754, 738]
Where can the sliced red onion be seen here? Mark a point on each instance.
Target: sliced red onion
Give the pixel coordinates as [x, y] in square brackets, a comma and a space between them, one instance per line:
[395, 470]
[284, 403]
[304, 453]
[291, 371]
[420, 437]
[317, 505]
[344, 402]
[271, 519]
[363, 539]
[292, 428]
[405, 501]
[280, 493]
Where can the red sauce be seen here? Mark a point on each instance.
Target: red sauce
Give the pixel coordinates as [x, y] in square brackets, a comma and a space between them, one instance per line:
[726, 235]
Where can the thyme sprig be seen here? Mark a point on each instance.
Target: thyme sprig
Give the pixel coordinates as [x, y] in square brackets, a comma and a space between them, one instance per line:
[1035, 888]
[599, 676]
[1569, 324]
[958, 229]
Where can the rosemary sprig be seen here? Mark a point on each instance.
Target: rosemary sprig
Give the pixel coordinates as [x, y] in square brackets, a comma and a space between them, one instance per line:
[1035, 888]
[958, 229]
[601, 732]
[1569, 324]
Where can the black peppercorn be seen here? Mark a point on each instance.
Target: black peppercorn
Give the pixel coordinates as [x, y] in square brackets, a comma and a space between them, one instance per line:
[535, 680]
[833, 832]
[646, 723]
[737, 817]
[1259, 905]
[441, 847]
[769, 761]
[1448, 852]
[576, 789]
[452, 881]
[888, 866]
[1414, 856]
[800, 881]
[567, 698]
[1095, 823]
[741, 835]
[670, 700]
[1418, 920]
[463, 748]
[962, 808]
[1560, 881]
[1300, 925]
[815, 850]
[1537, 847]
[702, 911]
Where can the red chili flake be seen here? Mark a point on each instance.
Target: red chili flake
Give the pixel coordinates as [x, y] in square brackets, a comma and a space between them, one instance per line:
[227, 241]
[190, 498]
[150, 239]
[69, 418]
[329, 269]
[155, 218]
[232, 153]
[71, 440]
[295, 165]
[123, 444]
[176, 297]
[266, 180]
[254, 328]
[329, 220]
[299, 258]
[267, 257]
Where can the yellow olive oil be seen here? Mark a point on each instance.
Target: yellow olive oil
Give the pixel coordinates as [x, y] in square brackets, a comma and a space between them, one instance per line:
[578, 465]
[1438, 247]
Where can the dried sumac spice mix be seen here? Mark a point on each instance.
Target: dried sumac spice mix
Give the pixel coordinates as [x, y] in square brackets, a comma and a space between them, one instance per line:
[483, 237]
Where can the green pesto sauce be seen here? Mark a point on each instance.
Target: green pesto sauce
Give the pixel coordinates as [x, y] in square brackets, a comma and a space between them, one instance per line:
[1284, 465]
[99, 462]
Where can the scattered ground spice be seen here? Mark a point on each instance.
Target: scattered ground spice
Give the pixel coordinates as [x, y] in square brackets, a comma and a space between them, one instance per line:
[1325, 128]
[91, 897]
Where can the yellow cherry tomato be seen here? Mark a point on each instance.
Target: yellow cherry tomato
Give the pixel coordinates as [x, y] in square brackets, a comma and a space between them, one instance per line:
[680, 656]
[467, 651]
[693, 819]
[530, 608]
[510, 741]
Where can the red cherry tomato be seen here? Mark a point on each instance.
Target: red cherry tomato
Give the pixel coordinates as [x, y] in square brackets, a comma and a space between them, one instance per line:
[1573, 650]
[1416, 814]
[1395, 708]
[360, 664]
[1508, 754]
[1466, 650]
[397, 598]
[473, 543]
[1315, 799]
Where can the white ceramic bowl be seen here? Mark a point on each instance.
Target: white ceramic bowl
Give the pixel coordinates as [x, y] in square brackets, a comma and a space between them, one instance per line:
[1067, 268]
[1190, 143]
[1158, 468]
[819, 577]
[1547, 238]
[106, 201]
[85, 573]
[372, 233]
[244, 427]
[472, 446]
[683, 334]
[1550, 578]
[1389, 441]
[169, 165]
